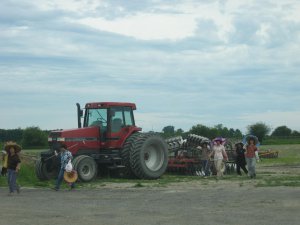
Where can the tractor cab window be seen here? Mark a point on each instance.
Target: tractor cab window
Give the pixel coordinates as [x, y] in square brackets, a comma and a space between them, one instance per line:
[117, 121]
[121, 117]
[97, 117]
[128, 116]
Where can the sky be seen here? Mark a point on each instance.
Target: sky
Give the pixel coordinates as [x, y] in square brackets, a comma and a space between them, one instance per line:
[183, 63]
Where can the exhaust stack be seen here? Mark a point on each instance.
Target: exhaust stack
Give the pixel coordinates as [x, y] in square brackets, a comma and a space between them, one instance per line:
[79, 114]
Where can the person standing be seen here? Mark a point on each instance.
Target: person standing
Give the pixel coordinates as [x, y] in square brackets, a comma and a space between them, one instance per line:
[205, 156]
[251, 157]
[240, 158]
[13, 166]
[219, 153]
[65, 157]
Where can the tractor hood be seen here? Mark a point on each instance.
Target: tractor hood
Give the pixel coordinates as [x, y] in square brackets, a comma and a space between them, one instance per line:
[79, 134]
[75, 139]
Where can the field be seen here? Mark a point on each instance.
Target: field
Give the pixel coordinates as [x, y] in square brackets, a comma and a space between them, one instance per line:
[272, 198]
[281, 171]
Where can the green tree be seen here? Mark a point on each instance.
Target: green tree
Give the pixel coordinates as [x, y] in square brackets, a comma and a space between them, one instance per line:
[295, 133]
[179, 131]
[11, 135]
[169, 129]
[282, 131]
[200, 129]
[259, 129]
[238, 134]
[34, 137]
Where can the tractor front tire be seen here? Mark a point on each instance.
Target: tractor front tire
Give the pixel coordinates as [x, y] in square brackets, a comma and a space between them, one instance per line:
[86, 167]
[149, 156]
[45, 170]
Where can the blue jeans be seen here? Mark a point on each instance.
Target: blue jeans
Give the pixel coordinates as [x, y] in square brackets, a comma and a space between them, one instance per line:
[251, 162]
[60, 178]
[205, 167]
[12, 180]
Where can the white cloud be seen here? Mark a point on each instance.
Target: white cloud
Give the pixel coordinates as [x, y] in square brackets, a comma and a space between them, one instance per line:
[146, 26]
[263, 33]
[200, 62]
[69, 5]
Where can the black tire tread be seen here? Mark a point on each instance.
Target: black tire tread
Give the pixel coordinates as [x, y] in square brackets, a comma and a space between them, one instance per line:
[135, 156]
[125, 155]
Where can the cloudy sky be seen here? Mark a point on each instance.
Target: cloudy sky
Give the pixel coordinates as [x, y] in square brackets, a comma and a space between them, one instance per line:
[182, 62]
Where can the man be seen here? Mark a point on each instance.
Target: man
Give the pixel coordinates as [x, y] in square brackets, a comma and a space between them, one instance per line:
[65, 157]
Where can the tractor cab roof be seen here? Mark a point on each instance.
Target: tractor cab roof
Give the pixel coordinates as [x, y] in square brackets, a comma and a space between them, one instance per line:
[95, 105]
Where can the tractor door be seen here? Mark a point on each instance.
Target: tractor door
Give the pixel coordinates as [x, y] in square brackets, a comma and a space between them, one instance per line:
[120, 120]
[97, 117]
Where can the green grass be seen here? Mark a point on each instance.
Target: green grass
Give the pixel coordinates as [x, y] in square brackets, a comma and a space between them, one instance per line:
[288, 155]
[281, 141]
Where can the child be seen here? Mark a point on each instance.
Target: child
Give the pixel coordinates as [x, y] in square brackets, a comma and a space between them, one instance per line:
[240, 158]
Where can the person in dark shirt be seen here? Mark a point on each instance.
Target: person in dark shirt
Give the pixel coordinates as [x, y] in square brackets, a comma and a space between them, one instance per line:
[13, 166]
[240, 158]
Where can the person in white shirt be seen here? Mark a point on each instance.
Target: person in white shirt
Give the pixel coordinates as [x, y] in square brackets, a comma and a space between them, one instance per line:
[220, 154]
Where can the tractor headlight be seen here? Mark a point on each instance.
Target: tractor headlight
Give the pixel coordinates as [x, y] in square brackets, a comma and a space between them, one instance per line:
[60, 139]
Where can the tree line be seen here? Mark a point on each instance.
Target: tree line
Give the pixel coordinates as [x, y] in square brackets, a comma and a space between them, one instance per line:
[259, 129]
[30, 137]
[34, 137]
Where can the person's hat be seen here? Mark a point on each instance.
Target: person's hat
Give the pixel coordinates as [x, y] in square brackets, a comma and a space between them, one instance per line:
[70, 177]
[220, 139]
[251, 137]
[14, 145]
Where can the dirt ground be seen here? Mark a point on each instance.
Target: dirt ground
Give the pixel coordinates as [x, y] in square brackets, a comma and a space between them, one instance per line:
[217, 202]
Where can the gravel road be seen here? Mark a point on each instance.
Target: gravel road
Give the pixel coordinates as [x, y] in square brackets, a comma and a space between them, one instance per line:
[176, 204]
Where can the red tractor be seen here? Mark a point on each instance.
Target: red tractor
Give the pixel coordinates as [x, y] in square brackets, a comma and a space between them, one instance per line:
[108, 139]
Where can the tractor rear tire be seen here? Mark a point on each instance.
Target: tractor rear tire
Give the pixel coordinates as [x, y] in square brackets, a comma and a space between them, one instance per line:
[149, 156]
[125, 154]
[86, 167]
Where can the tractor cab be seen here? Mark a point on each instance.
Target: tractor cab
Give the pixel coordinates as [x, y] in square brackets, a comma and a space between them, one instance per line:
[115, 121]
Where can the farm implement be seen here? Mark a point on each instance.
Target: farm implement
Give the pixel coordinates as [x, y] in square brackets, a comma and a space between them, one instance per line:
[185, 155]
[268, 154]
